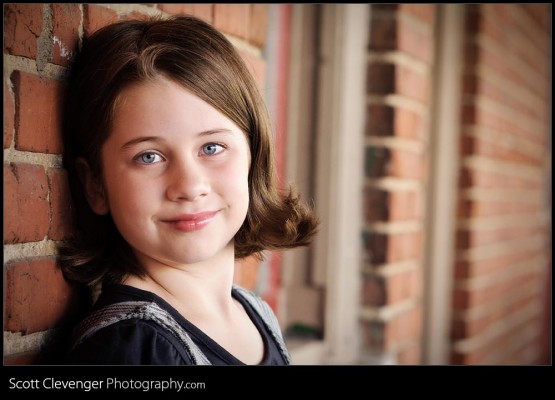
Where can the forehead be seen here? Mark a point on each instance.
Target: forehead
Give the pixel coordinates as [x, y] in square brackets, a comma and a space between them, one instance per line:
[161, 103]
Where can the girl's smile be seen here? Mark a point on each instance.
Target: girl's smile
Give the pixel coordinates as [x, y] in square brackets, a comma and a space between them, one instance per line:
[191, 222]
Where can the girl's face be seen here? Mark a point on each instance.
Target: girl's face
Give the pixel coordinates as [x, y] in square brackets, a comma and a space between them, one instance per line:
[175, 175]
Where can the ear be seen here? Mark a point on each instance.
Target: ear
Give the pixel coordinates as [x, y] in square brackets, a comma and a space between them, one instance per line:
[94, 190]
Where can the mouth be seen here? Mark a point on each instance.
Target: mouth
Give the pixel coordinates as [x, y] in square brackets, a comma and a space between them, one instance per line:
[191, 222]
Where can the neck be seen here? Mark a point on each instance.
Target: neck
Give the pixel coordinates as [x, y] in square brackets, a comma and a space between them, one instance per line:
[193, 289]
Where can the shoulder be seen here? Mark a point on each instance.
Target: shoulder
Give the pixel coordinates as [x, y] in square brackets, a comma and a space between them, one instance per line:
[267, 315]
[258, 303]
[129, 342]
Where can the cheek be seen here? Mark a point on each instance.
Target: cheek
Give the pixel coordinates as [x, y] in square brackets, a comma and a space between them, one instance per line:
[128, 196]
[235, 183]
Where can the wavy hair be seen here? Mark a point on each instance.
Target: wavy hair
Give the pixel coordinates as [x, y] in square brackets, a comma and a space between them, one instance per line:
[197, 56]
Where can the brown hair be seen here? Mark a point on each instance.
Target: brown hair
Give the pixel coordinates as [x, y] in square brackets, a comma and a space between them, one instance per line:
[194, 54]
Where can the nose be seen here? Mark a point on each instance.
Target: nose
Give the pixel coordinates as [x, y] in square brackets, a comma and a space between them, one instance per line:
[187, 181]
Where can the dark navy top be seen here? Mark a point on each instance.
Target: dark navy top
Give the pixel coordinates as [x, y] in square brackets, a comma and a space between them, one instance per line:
[144, 342]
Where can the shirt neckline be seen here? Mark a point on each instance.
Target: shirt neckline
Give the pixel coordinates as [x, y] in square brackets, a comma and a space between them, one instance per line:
[195, 331]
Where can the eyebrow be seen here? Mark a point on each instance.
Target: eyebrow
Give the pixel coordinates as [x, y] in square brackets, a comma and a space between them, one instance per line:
[142, 139]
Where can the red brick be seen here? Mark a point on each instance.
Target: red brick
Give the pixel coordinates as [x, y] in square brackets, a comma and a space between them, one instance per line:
[424, 12]
[9, 116]
[22, 27]
[381, 7]
[380, 120]
[60, 204]
[465, 208]
[407, 164]
[406, 205]
[492, 149]
[172, 8]
[498, 65]
[465, 178]
[462, 269]
[408, 124]
[37, 113]
[133, 15]
[472, 20]
[415, 42]
[380, 78]
[380, 205]
[26, 209]
[373, 290]
[389, 31]
[508, 126]
[465, 329]
[202, 11]
[473, 357]
[486, 179]
[65, 32]
[382, 162]
[233, 19]
[377, 162]
[403, 327]
[37, 297]
[467, 239]
[541, 13]
[259, 24]
[96, 17]
[498, 349]
[495, 92]
[470, 83]
[27, 358]
[383, 120]
[516, 340]
[480, 208]
[376, 205]
[375, 247]
[470, 298]
[520, 356]
[403, 286]
[383, 32]
[404, 246]
[493, 61]
[468, 117]
[456, 358]
[410, 355]
[412, 84]
[465, 269]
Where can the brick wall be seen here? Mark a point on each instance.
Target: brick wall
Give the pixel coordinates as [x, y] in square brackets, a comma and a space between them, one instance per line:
[503, 235]
[39, 305]
[401, 56]
[502, 250]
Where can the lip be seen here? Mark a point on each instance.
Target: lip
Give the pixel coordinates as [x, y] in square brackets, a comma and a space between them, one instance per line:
[191, 222]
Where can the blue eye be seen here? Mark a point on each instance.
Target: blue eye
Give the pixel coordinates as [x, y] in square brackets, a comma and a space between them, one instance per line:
[212, 148]
[148, 158]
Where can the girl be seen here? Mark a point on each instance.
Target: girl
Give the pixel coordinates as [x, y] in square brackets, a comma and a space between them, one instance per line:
[168, 150]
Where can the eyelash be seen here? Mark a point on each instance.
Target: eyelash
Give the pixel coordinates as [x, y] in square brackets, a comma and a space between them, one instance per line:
[138, 157]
